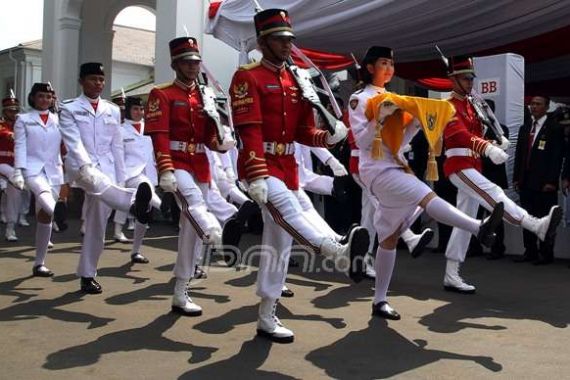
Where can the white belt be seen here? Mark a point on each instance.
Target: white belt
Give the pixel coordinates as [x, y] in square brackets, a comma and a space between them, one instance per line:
[6, 154]
[355, 153]
[183, 146]
[461, 152]
[278, 149]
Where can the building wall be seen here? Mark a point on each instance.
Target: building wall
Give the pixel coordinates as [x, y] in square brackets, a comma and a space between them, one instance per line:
[125, 74]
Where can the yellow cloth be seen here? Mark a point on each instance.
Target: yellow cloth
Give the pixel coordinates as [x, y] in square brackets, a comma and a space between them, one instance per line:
[433, 115]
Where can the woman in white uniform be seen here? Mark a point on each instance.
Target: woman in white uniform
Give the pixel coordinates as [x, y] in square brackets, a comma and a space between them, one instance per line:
[37, 162]
[401, 195]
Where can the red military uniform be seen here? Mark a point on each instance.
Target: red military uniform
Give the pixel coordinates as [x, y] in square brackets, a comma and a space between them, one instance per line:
[270, 115]
[6, 143]
[464, 133]
[175, 119]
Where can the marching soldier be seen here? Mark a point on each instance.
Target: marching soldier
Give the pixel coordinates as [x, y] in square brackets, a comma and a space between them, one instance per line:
[90, 127]
[140, 167]
[400, 195]
[180, 128]
[270, 114]
[465, 146]
[10, 109]
[38, 163]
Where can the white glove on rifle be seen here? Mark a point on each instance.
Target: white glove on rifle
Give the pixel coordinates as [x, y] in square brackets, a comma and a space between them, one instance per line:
[504, 145]
[168, 182]
[386, 109]
[306, 85]
[258, 191]
[228, 142]
[17, 179]
[496, 154]
[340, 132]
[89, 175]
[337, 168]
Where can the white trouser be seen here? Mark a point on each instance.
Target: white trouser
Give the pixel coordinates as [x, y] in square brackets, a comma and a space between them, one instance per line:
[196, 222]
[96, 214]
[133, 183]
[229, 190]
[314, 217]
[26, 198]
[318, 184]
[474, 189]
[369, 205]
[283, 221]
[13, 195]
[217, 205]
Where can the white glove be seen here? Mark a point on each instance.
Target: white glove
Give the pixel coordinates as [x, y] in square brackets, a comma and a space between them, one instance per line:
[407, 148]
[17, 179]
[496, 154]
[505, 143]
[89, 175]
[337, 168]
[258, 191]
[386, 109]
[168, 182]
[340, 132]
[230, 176]
[228, 141]
[306, 85]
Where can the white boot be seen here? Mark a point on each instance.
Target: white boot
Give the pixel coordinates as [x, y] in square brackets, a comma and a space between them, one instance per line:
[369, 270]
[417, 242]
[453, 282]
[181, 302]
[131, 224]
[22, 221]
[119, 236]
[349, 257]
[544, 227]
[269, 326]
[11, 232]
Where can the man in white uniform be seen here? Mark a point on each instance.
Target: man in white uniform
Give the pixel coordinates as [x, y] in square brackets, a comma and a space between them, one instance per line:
[91, 130]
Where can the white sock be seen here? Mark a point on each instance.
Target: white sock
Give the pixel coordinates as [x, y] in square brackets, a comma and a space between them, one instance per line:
[384, 266]
[408, 236]
[46, 202]
[43, 234]
[445, 213]
[118, 229]
[138, 236]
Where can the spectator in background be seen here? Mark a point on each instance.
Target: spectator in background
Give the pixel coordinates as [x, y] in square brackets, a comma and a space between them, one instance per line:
[538, 161]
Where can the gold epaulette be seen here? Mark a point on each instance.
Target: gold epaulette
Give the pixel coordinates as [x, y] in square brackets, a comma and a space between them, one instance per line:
[250, 66]
[163, 85]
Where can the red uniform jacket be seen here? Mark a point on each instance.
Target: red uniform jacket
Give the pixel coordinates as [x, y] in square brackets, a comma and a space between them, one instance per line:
[267, 107]
[464, 132]
[174, 112]
[6, 143]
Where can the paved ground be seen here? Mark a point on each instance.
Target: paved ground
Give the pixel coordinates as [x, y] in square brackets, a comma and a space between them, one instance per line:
[515, 327]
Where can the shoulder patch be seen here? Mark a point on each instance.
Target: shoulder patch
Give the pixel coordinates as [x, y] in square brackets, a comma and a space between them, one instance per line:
[250, 66]
[353, 103]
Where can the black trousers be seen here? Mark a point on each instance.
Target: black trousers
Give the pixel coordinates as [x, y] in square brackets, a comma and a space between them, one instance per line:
[537, 203]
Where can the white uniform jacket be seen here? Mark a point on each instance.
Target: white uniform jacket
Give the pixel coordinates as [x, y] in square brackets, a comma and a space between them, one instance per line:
[37, 146]
[139, 153]
[93, 137]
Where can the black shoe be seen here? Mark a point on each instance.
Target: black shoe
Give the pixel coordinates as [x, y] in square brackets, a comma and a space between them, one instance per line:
[231, 236]
[525, 258]
[486, 235]
[293, 263]
[200, 273]
[340, 188]
[137, 258]
[42, 271]
[140, 209]
[380, 310]
[246, 210]
[425, 239]
[544, 261]
[358, 241]
[59, 214]
[287, 293]
[90, 286]
[344, 239]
